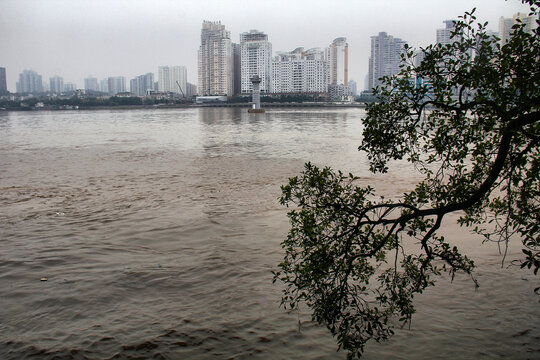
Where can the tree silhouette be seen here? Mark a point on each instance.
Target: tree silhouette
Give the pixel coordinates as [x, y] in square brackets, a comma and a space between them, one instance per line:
[468, 119]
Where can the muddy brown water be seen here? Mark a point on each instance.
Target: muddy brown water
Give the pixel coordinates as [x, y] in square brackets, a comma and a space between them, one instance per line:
[153, 234]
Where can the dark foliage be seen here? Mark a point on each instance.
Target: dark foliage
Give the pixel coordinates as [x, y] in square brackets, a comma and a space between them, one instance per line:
[468, 119]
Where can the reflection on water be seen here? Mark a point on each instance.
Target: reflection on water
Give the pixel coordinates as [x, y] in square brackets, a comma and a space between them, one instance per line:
[157, 231]
[276, 133]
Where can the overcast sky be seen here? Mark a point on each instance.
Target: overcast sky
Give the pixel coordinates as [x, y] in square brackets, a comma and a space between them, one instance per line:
[77, 38]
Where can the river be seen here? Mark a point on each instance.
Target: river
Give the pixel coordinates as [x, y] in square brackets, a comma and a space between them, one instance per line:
[152, 234]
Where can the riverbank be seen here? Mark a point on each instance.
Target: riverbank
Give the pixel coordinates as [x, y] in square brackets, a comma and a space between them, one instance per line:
[191, 105]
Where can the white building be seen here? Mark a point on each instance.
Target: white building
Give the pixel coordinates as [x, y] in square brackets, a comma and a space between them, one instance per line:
[116, 84]
[315, 71]
[505, 25]
[300, 71]
[91, 84]
[353, 86]
[338, 88]
[104, 85]
[171, 77]
[419, 56]
[256, 59]
[29, 82]
[339, 62]
[444, 35]
[142, 84]
[56, 84]
[385, 58]
[70, 87]
[191, 90]
[215, 60]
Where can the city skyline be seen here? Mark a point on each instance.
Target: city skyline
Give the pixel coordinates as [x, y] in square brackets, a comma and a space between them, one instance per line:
[77, 39]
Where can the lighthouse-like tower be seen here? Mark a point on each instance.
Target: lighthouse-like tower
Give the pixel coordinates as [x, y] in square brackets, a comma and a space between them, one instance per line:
[256, 95]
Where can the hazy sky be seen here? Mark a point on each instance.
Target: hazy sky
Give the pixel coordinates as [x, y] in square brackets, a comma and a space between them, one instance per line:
[77, 38]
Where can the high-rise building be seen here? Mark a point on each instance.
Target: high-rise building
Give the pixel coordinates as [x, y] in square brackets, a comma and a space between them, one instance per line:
[315, 75]
[366, 82]
[237, 66]
[91, 84]
[134, 87]
[444, 35]
[339, 69]
[3, 80]
[171, 77]
[419, 56]
[505, 29]
[256, 59]
[353, 87]
[215, 60]
[116, 84]
[70, 87]
[339, 62]
[191, 90]
[142, 84]
[56, 84]
[104, 85]
[300, 71]
[29, 82]
[505, 25]
[385, 57]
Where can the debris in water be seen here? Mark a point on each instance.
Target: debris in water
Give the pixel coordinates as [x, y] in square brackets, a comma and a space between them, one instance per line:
[521, 333]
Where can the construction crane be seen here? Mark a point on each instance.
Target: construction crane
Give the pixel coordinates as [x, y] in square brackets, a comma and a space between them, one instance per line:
[182, 91]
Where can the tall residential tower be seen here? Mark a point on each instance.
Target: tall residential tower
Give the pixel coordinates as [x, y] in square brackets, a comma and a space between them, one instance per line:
[141, 84]
[116, 84]
[300, 71]
[215, 60]
[385, 57]
[256, 59]
[29, 82]
[172, 79]
[339, 62]
[56, 84]
[3, 82]
[338, 88]
[505, 25]
[91, 84]
[444, 35]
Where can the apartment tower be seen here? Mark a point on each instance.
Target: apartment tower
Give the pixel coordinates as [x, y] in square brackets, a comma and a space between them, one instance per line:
[172, 79]
[116, 85]
[339, 62]
[141, 84]
[91, 84]
[215, 60]
[505, 25]
[256, 59]
[56, 84]
[385, 57]
[29, 82]
[444, 35]
[300, 71]
[3, 82]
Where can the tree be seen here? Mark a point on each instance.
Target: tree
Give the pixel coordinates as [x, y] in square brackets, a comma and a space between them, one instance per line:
[468, 119]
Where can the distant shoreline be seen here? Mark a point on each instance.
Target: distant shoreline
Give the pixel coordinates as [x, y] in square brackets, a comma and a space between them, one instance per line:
[186, 106]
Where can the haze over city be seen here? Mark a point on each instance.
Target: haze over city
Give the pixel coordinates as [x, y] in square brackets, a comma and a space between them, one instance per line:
[269, 179]
[76, 38]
